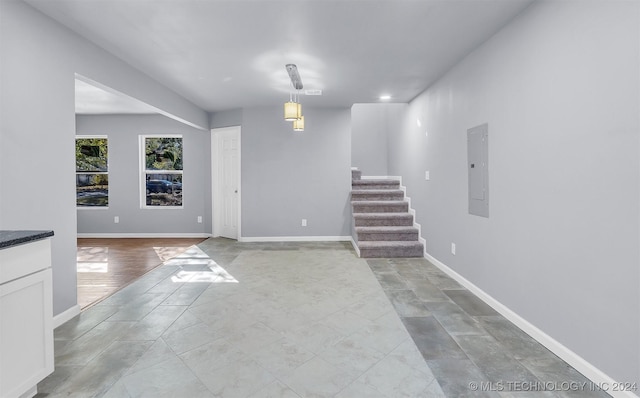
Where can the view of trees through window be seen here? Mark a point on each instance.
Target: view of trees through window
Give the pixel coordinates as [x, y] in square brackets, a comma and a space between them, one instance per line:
[163, 171]
[92, 178]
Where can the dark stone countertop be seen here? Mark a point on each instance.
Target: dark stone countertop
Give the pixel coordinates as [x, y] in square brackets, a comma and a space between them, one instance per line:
[14, 238]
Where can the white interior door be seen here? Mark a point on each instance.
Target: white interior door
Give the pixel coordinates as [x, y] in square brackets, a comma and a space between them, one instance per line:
[227, 182]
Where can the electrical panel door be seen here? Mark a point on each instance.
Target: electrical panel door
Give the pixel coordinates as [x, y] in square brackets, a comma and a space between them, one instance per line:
[478, 168]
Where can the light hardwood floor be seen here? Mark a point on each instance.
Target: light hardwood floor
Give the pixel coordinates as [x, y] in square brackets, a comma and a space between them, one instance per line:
[107, 265]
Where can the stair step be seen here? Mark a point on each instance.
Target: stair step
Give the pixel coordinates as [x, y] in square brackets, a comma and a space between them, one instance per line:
[382, 219]
[375, 184]
[380, 206]
[377, 194]
[388, 249]
[401, 233]
[356, 174]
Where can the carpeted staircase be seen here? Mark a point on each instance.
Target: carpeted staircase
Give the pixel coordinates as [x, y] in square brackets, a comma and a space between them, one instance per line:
[382, 222]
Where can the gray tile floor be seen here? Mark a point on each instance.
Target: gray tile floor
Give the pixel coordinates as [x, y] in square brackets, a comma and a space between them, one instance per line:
[228, 319]
[466, 343]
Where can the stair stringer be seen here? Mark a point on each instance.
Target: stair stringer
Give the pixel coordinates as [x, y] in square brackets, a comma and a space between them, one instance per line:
[354, 236]
[413, 213]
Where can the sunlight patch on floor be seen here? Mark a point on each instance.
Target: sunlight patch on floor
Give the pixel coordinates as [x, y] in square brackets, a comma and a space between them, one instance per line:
[167, 252]
[213, 273]
[93, 259]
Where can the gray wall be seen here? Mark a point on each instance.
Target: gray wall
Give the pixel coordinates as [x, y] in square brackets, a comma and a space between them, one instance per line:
[288, 176]
[37, 127]
[124, 197]
[371, 126]
[228, 118]
[559, 88]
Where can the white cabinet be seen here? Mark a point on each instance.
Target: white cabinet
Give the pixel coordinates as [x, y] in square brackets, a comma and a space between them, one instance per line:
[26, 323]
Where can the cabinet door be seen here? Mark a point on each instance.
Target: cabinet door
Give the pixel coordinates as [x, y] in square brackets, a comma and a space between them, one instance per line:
[26, 333]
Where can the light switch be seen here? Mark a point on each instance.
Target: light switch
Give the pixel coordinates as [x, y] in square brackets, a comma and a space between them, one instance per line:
[426, 175]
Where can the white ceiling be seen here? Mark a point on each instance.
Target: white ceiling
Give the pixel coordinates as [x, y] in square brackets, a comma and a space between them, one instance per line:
[226, 54]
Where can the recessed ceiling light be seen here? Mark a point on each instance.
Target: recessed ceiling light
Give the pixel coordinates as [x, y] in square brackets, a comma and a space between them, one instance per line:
[385, 97]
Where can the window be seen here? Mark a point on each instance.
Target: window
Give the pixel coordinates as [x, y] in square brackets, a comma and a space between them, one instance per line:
[161, 171]
[92, 172]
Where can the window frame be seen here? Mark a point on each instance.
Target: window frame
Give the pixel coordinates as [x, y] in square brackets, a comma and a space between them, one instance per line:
[143, 171]
[89, 137]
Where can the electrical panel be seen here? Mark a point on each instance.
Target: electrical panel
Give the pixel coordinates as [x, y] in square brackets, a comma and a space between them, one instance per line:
[478, 168]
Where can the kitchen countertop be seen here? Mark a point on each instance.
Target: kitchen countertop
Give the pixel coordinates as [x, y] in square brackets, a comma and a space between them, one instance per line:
[14, 238]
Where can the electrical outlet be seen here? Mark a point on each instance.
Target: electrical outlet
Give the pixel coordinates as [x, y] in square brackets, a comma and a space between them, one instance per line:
[199, 219]
[453, 248]
[426, 175]
[304, 222]
[116, 219]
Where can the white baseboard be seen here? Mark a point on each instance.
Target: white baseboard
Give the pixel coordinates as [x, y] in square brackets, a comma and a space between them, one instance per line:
[594, 374]
[355, 247]
[145, 235]
[65, 316]
[30, 393]
[294, 239]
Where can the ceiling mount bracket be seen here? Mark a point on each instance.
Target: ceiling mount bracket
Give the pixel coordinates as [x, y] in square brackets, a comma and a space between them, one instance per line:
[292, 69]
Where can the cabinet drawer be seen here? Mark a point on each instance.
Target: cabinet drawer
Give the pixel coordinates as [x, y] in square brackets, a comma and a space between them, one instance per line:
[26, 259]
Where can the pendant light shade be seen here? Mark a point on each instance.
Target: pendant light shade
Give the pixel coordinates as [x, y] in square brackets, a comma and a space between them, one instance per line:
[298, 124]
[292, 111]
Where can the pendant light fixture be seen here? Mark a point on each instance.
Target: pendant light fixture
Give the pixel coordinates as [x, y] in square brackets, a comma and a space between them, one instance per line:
[293, 108]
